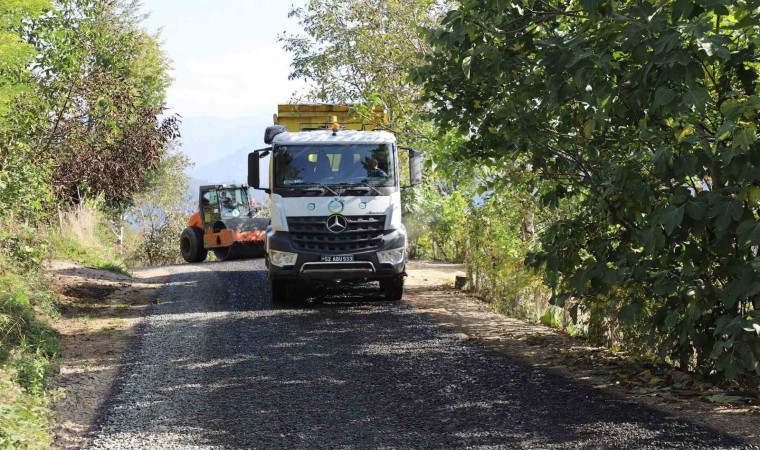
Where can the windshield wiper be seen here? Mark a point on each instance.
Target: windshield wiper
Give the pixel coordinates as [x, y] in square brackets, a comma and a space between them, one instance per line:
[313, 190]
[324, 186]
[316, 187]
[362, 187]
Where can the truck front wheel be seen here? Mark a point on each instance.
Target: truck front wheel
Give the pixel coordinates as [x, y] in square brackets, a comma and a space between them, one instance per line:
[393, 288]
[286, 291]
[191, 245]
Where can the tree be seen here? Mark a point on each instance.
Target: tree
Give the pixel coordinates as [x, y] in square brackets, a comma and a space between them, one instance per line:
[161, 210]
[104, 79]
[24, 198]
[15, 54]
[361, 51]
[643, 115]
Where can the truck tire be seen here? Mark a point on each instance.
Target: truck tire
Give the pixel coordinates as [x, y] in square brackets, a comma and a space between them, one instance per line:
[279, 290]
[393, 288]
[286, 291]
[191, 245]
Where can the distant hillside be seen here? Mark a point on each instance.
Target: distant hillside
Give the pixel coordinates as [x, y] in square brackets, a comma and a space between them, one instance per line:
[207, 139]
[220, 147]
[229, 169]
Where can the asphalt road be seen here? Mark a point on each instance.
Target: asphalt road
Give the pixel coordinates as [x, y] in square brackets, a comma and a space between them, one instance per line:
[216, 365]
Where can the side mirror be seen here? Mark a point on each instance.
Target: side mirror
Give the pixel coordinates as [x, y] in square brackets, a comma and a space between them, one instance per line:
[254, 169]
[415, 167]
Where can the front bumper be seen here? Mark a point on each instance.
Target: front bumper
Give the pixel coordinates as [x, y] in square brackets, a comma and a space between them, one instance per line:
[365, 266]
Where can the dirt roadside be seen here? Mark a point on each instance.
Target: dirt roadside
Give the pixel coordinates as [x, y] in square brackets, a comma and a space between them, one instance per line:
[99, 312]
[672, 391]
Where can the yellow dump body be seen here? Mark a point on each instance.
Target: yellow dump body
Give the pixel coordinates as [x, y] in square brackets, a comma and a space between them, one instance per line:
[303, 117]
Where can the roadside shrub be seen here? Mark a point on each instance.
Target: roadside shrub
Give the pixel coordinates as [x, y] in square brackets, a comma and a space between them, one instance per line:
[158, 242]
[28, 347]
[83, 236]
[28, 341]
[24, 419]
[160, 212]
[646, 120]
[22, 243]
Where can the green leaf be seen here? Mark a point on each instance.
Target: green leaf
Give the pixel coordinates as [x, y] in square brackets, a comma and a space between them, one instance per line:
[731, 109]
[731, 369]
[734, 291]
[729, 154]
[726, 212]
[725, 130]
[663, 96]
[671, 218]
[590, 5]
[628, 313]
[682, 8]
[745, 136]
[652, 239]
[661, 158]
[748, 233]
[588, 129]
[466, 66]
[697, 97]
[724, 398]
[696, 210]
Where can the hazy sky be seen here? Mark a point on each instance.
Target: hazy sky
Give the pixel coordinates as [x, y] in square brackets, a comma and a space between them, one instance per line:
[229, 71]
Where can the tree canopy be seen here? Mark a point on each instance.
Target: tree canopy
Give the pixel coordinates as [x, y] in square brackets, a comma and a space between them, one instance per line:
[82, 92]
[361, 51]
[644, 116]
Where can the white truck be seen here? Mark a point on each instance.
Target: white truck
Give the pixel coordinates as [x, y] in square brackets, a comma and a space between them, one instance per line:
[335, 198]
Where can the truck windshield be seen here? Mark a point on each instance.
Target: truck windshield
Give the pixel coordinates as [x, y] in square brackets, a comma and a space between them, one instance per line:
[337, 165]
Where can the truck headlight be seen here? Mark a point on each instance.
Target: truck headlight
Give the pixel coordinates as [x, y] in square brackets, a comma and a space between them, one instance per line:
[282, 259]
[395, 256]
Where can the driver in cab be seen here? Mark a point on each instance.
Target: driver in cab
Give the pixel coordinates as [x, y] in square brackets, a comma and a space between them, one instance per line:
[373, 171]
[226, 202]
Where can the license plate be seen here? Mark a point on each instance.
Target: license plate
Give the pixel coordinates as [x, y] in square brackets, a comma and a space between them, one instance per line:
[338, 258]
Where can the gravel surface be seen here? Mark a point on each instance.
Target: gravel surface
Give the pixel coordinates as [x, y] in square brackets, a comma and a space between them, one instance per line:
[217, 366]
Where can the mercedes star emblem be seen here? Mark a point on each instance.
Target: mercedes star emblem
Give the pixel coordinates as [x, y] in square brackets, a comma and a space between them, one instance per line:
[336, 224]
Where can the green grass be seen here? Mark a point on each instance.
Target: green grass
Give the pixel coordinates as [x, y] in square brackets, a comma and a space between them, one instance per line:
[28, 343]
[29, 347]
[24, 422]
[116, 267]
[91, 256]
[552, 317]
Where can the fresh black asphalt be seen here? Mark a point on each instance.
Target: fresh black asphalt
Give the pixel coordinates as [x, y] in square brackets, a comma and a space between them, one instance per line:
[216, 365]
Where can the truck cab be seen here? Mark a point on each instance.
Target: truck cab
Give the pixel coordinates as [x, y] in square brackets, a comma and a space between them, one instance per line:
[335, 199]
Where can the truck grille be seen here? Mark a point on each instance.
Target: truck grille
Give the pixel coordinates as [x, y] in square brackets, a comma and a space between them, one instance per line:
[363, 233]
[344, 268]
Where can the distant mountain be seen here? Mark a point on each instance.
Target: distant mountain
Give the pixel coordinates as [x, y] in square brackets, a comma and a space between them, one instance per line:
[207, 139]
[229, 169]
[211, 143]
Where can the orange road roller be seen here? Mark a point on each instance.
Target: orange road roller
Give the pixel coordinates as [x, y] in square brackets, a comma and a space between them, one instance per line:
[226, 223]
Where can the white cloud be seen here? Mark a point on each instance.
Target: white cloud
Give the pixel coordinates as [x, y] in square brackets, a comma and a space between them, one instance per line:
[232, 83]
